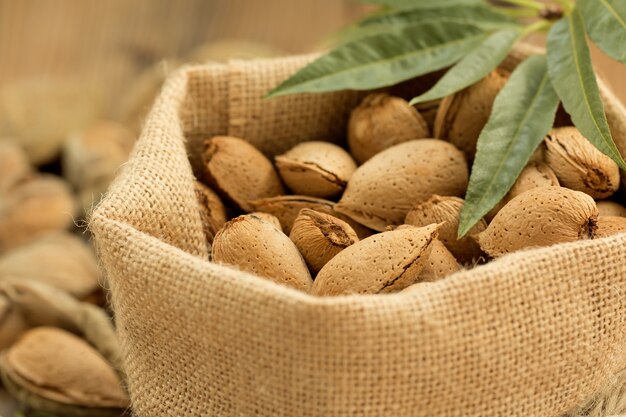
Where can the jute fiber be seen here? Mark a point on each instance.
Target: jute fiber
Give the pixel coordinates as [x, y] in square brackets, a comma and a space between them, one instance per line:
[535, 333]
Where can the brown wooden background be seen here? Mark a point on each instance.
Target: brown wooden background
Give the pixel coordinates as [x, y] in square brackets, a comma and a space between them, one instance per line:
[106, 43]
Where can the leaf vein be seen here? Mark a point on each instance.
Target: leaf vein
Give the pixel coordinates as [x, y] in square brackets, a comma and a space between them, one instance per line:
[515, 136]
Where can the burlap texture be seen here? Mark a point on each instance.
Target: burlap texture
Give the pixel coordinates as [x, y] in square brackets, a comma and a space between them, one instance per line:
[536, 333]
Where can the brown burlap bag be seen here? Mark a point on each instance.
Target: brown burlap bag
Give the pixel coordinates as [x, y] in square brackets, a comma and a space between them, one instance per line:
[536, 333]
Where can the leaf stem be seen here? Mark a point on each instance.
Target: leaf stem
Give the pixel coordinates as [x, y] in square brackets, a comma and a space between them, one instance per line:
[536, 27]
[516, 12]
[529, 4]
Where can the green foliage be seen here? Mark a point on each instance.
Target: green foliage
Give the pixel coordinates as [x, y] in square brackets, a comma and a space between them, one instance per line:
[522, 115]
[475, 14]
[408, 38]
[606, 24]
[385, 59]
[571, 72]
[474, 66]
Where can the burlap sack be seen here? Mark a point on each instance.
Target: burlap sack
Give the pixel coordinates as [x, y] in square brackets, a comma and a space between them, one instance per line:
[535, 333]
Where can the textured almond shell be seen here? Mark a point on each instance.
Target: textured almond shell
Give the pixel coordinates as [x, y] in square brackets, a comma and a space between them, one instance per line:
[91, 159]
[317, 169]
[61, 367]
[257, 246]
[535, 174]
[212, 211]
[383, 190]
[447, 210]
[320, 237]
[12, 323]
[14, 165]
[239, 172]
[61, 260]
[440, 264]
[380, 122]
[540, 217]
[268, 218]
[610, 225]
[462, 116]
[34, 208]
[579, 165]
[382, 263]
[611, 208]
[286, 208]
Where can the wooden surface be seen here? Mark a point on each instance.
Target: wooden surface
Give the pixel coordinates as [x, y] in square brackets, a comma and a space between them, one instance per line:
[106, 44]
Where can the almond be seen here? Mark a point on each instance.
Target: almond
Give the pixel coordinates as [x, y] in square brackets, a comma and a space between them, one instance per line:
[318, 169]
[380, 122]
[91, 159]
[320, 236]
[257, 246]
[441, 263]
[54, 371]
[611, 208]
[579, 165]
[36, 207]
[447, 210]
[212, 211]
[239, 172]
[61, 260]
[382, 263]
[12, 323]
[268, 218]
[540, 217]
[533, 176]
[610, 225]
[38, 304]
[462, 116]
[14, 165]
[286, 209]
[383, 190]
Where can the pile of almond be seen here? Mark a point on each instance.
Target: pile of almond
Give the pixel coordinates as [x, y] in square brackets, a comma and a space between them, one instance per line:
[58, 349]
[382, 214]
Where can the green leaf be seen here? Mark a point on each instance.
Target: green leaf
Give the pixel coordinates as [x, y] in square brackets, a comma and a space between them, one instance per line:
[571, 73]
[605, 21]
[385, 59]
[475, 14]
[473, 67]
[405, 4]
[523, 113]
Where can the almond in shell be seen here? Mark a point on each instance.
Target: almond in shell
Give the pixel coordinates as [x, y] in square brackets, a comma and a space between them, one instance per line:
[318, 169]
[91, 159]
[54, 371]
[535, 174]
[542, 216]
[14, 165]
[255, 245]
[320, 237]
[579, 165]
[610, 225]
[36, 207]
[447, 210]
[441, 263]
[212, 211]
[380, 122]
[239, 171]
[611, 208]
[462, 116]
[61, 260]
[382, 263]
[268, 218]
[383, 190]
[286, 208]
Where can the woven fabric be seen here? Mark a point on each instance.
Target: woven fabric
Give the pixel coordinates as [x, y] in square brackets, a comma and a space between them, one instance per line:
[535, 333]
